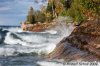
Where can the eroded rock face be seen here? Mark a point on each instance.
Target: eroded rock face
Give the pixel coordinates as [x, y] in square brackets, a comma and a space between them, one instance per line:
[68, 52]
[87, 36]
[83, 44]
[38, 27]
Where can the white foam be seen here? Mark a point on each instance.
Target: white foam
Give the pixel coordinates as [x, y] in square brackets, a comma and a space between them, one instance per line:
[46, 63]
[39, 42]
[16, 29]
[36, 43]
[10, 40]
[73, 63]
[11, 49]
[6, 51]
[51, 31]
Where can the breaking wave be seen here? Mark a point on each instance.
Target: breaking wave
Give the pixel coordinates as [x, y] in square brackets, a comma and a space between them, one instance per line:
[26, 42]
[15, 42]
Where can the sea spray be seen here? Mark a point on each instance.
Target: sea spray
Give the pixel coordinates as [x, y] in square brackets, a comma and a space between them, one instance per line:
[18, 43]
[64, 26]
[38, 42]
[42, 44]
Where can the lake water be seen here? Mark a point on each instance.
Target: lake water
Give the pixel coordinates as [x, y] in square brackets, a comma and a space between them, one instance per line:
[20, 48]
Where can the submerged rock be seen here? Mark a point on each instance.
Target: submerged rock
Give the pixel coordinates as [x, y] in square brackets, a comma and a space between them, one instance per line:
[83, 44]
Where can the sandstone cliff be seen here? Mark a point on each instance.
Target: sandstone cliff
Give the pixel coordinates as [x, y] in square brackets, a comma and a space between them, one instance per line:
[83, 44]
[37, 27]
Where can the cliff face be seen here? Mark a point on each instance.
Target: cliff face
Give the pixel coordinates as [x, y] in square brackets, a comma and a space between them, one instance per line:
[87, 36]
[83, 44]
[37, 27]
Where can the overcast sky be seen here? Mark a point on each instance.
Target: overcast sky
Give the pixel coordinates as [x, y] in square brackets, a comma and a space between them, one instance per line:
[13, 12]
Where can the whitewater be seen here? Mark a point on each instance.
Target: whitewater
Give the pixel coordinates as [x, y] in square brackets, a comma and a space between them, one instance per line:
[24, 48]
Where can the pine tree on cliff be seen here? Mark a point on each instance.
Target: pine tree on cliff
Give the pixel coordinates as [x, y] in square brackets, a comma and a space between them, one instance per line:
[31, 17]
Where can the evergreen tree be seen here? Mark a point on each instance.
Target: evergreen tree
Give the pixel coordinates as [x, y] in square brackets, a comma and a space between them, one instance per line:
[51, 7]
[31, 17]
[39, 16]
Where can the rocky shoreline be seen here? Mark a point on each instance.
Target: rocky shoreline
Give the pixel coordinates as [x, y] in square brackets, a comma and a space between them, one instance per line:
[37, 27]
[83, 44]
[87, 36]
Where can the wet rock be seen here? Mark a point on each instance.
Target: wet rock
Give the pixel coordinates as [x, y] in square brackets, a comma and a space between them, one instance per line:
[68, 52]
[83, 44]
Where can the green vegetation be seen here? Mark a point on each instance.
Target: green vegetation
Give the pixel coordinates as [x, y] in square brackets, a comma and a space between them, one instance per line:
[31, 17]
[75, 11]
[35, 16]
[66, 3]
[79, 10]
[39, 16]
[93, 5]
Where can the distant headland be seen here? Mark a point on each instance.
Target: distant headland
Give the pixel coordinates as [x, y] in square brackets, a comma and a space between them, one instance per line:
[32, 25]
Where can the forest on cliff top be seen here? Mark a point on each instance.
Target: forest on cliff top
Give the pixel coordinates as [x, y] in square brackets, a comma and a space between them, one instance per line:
[78, 10]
